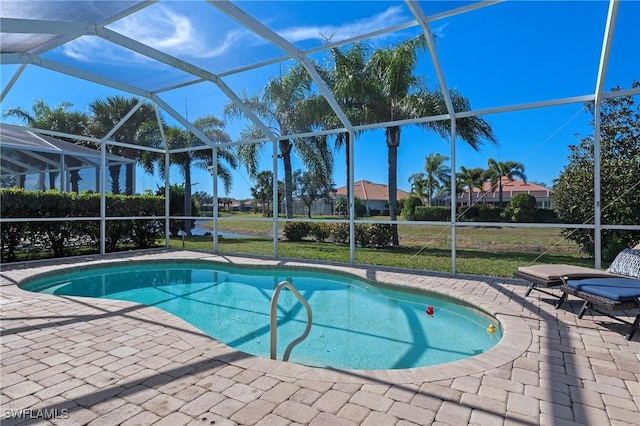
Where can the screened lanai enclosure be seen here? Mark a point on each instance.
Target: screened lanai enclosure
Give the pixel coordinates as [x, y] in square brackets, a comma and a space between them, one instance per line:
[270, 119]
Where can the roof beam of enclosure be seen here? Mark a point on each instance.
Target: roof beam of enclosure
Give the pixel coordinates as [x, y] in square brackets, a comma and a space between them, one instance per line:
[174, 62]
[602, 72]
[28, 168]
[417, 11]
[54, 66]
[124, 119]
[43, 158]
[27, 58]
[606, 48]
[265, 32]
[79, 28]
[81, 138]
[369, 35]
[11, 82]
[63, 40]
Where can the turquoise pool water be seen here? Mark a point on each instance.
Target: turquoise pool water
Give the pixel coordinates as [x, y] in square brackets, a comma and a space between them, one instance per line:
[356, 325]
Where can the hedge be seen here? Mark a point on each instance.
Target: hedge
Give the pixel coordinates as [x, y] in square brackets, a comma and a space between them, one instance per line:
[61, 238]
[374, 235]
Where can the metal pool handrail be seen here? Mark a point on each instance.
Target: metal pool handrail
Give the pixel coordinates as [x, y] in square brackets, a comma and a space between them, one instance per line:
[274, 328]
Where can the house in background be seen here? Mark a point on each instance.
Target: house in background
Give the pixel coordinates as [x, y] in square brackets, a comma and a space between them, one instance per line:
[374, 195]
[490, 195]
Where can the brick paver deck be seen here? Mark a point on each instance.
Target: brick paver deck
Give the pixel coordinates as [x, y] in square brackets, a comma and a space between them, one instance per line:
[76, 361]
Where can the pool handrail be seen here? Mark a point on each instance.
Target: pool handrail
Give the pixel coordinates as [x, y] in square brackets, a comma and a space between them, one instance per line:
[274, 328]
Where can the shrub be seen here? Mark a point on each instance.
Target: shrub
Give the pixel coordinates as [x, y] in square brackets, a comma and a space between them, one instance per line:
[340, 233]
[491, 214]
[409, 207]
[523, 208]
[524, 201]
[320, 231]
[362, 235]
[296, 231]
[573, 191]
[381, 235]
[427, 213]
[545, 216]
[359, 207]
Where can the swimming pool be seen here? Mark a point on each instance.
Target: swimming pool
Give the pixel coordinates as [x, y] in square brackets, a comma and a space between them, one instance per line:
[356, 324]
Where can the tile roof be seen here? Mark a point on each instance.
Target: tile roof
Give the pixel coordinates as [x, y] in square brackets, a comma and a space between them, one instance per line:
[366, 190]
[514, 185]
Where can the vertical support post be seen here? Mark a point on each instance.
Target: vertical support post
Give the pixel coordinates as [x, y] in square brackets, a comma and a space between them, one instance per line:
[214, 173]
[597, 214]
[602, 72]
[167, 193]
[274, 202]
[351, 201]
[103, 197]
[454, 204]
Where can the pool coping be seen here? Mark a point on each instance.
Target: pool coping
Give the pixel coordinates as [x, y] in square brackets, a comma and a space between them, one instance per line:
[516, 339]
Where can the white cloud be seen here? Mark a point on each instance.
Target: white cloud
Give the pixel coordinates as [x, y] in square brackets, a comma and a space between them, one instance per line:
[390, 17]
[173, 32]
[161, 28]
[439, 30]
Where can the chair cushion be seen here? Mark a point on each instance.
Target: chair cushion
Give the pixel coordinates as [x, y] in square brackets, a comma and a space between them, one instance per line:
[619, 289]
[554, 271]
[627, 262]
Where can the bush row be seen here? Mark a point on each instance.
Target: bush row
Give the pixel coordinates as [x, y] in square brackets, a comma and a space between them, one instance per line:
[483, 214]
[374, 235]
[522, 208]
[63, 237]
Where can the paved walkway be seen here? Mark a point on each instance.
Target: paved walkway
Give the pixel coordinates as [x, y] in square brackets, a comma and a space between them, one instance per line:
[76, 361]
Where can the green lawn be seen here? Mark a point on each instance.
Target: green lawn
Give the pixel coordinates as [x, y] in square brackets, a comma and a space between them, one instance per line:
[484, 251]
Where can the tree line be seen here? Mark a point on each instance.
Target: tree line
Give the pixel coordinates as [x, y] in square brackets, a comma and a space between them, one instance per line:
[369, 86]
[436, 178]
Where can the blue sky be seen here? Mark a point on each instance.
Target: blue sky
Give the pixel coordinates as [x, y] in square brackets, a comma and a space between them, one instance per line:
[511, 53]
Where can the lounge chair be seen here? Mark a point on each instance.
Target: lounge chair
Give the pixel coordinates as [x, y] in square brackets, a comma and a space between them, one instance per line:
[547, 276]
[550, 275]
[616, 289]
[605, 294]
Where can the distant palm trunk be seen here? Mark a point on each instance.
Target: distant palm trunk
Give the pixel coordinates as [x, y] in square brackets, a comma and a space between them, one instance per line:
[114, 171]
[393, 141]
[348, 164]
[128, 179]
[187, 200]
[285, 150]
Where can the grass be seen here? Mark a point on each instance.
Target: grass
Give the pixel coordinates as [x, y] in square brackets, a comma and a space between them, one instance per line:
[482, 251]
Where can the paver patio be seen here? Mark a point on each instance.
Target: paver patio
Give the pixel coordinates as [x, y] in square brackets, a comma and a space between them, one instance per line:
[75, 361]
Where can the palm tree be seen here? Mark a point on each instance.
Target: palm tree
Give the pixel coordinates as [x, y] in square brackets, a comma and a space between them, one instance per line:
[106, 114]
[397, 94]
[348, 82]
[176, 138]
[498, 171]
[58, 119]
[418, 183]
[471, 179]
[263, 190]
[281, 105]
[437, 174]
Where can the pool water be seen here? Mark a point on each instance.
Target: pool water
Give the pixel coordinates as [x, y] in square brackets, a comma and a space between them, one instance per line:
[356, 325]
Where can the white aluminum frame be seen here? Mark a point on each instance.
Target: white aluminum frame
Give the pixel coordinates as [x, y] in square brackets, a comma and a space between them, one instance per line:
[71, 30]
